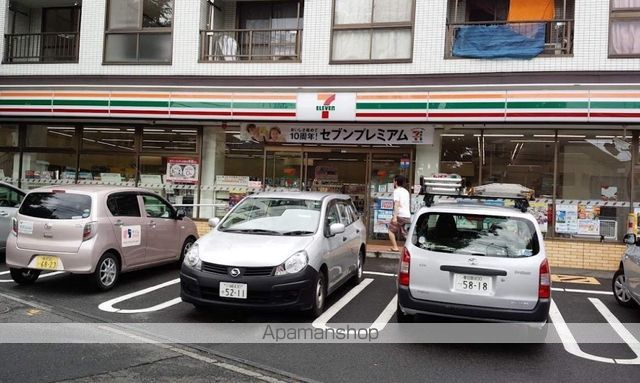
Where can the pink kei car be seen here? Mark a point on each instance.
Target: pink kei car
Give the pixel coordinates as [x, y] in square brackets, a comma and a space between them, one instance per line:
[98, 230]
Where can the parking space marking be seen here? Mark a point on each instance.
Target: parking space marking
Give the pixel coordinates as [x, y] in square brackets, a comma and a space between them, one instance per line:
[321, 321]
[592, 292]
[622, 331]
[568, 340]
[385, 316]
[108, 305]
[574, 279]
[4, 272]
[54, 273]
[379, 273]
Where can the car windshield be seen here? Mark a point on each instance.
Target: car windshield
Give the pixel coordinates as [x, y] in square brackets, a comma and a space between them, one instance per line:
[56, 206]
[479, 235]
[274, 216]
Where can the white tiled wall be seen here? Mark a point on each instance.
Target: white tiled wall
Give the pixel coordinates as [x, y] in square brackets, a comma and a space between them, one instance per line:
[590, 52]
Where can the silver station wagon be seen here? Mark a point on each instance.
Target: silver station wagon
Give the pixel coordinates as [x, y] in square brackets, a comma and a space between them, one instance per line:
[284, 250]
[98, 230]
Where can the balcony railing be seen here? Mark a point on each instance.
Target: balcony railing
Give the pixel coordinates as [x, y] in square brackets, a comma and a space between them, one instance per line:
[238, 45]
[558, 34]
[41, 47]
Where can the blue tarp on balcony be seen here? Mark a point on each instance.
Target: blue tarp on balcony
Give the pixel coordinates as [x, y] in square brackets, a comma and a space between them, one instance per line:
[519, 41]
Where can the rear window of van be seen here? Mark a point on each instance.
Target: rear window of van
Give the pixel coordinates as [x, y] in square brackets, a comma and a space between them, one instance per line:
[479, 235]
[56, 206]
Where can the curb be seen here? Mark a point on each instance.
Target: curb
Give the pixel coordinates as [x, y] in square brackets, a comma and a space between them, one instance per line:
[383, 254]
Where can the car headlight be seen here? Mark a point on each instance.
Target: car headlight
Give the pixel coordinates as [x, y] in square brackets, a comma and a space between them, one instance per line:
[294, 264]
[192, 258]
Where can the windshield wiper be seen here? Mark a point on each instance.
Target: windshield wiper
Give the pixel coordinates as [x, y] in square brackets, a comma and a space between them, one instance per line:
[253, 231]
[297, 232]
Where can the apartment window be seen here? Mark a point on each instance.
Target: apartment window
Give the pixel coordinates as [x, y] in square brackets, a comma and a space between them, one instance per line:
[372, 31]
[624, 28]
[139, 31]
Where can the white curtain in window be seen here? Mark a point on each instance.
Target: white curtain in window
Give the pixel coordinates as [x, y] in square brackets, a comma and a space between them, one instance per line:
[386, 11]
[124, 14]
[626, 4]
[351, 45]
[625, 37]
[353, 11]
[391, 44]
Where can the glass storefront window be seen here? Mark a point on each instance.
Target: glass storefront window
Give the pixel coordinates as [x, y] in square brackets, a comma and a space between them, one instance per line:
[160, 173]
[47, 168]
[9, 135]
[107, 168]
[9, 167]
[592, 166]
[108, 138]
[170, 140]
[460, 154]
[514, 156]
[43, 136]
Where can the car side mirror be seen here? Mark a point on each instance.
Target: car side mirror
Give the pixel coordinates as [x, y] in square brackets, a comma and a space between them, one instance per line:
[180, 214]
[336, 228]
[213, 222]
[630, 239]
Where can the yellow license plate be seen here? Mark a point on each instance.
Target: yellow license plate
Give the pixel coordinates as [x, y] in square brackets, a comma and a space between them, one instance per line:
[46, 262]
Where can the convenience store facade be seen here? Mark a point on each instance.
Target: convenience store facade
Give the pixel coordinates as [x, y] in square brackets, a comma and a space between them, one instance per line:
[576, 146]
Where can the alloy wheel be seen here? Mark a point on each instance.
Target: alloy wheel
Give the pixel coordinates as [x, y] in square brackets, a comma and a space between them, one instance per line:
[620, 289]
[108, 270]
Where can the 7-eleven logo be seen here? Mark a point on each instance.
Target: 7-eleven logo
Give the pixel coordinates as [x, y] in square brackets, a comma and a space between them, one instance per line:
[326, 107]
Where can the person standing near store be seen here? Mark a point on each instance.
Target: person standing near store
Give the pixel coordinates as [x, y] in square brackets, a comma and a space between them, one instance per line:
[401, 212]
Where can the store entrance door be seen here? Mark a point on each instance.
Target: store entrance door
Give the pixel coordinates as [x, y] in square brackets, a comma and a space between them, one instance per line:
[365, 174]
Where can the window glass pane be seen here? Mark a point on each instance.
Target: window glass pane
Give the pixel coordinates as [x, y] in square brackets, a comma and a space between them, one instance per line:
[9, 167]
[626, 4]
[107, 168]
[391, 44]
[121, 48]
[9, 197]
[8, 135]
[43, 136]
[124, 14]
[519, 157]
[153, 176]
[46, 168]
[108, 138]
[155, 47]
[353, 11]
[386, 11]
[157, 13]
[460, 155]
[170, 139]
[625, 37]
[56, 206]
[124, 205]
[592, 166]
[156, 208]
[351, 45]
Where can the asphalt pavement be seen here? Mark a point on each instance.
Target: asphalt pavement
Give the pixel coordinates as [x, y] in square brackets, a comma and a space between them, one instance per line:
[152, 296]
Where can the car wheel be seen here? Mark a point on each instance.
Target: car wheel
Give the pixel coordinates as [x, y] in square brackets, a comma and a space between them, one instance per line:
[620, 289]
[319, 296]
[357, 277]
[107, 272]
[24, 276]
[188, 243]
[403, 317]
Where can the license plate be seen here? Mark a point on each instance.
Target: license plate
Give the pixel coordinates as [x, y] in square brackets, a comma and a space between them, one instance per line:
[473, 284]
[233, 290]
[46, 262]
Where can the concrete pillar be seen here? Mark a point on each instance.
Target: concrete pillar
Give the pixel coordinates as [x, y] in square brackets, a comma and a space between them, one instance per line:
[428, 158]
[213, 145]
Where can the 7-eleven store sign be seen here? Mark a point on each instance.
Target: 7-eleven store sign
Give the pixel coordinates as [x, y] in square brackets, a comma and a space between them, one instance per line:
[326, 106]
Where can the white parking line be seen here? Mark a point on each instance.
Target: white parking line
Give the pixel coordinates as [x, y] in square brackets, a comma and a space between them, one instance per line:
[568, 341]
[321, 321]
[108, 305]
[385, 316]
[40, 277]
[4, 272]
[622, 332]
[592, 292]
[379, 273]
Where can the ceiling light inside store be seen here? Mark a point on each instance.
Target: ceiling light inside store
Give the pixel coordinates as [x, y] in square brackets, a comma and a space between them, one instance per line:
[559, 136]
[540, 141]
[452, 135]
[102, 129]
[151, 147]
[499, 135]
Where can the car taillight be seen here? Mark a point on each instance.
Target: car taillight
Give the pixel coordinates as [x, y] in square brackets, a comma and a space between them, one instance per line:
[403, 275]
[14, 226]
[544, 288]
[89, 231]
